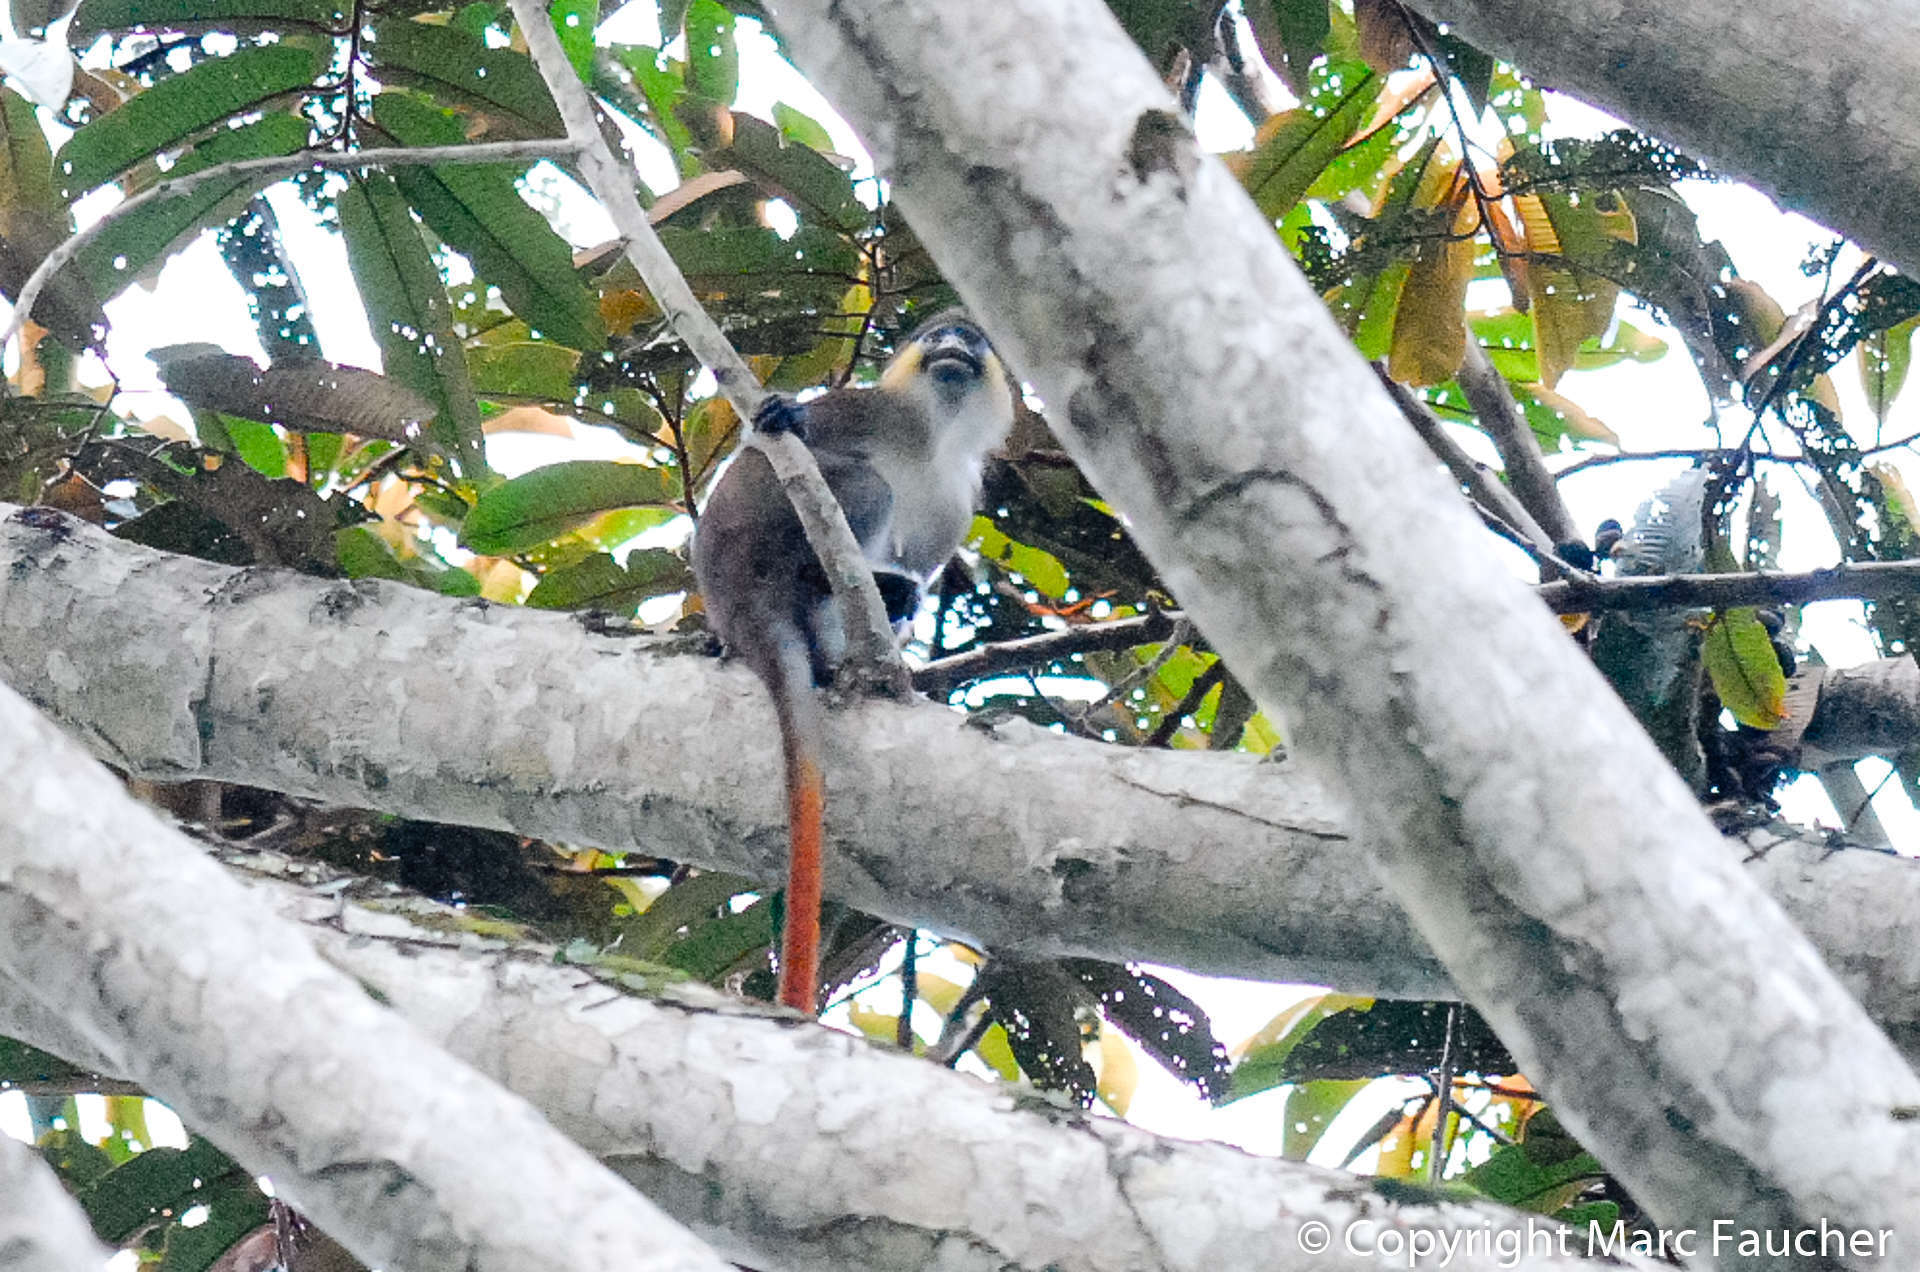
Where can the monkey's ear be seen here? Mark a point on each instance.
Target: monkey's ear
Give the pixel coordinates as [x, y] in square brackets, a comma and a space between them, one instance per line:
[778, 414]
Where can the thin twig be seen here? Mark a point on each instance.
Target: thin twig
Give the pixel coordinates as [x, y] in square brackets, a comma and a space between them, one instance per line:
[1865, 580]
[946, 674]
[869, 633]
[1449, 1060]
[274, 167]
[1203, 684]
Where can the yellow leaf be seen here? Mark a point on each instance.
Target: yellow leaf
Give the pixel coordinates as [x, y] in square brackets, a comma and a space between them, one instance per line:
[879, 1026]
[1430, 326]
[994, 1049]
[1119, 1072]
[938, 992]
[1397, 1148]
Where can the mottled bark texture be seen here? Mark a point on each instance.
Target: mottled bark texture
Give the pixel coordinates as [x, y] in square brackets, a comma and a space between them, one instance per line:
[1574, 889]
[174, 668]
[791, 1146]
[172, 974]
[42, 1229]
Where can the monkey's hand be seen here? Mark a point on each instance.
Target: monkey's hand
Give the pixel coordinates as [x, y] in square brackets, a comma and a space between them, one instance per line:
[779, 414]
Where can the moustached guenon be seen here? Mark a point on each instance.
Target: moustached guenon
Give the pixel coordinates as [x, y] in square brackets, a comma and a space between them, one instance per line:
[903, 458]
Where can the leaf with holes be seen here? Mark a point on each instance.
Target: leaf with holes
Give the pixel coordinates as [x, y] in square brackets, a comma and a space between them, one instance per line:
[478, 211]
[97, 16]
[541, 505]
[127, 247]
[817, 187]
[713, 63]
[1738, 652]
[407, 309]
[1295, 147]
[1885, 357]
[456, 67]
[175, 109]
[574, 22]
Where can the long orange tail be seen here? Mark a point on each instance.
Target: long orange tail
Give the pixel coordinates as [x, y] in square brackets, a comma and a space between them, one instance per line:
[806, 817]
[789, 679]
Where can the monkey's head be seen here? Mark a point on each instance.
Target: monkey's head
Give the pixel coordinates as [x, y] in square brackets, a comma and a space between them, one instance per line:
[949, 363]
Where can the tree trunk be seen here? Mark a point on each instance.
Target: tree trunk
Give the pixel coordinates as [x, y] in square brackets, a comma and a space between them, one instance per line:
[1680, 1024]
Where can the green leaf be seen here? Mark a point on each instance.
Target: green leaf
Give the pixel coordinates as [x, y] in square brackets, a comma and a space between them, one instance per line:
[803, 128]
[673, 18]
[96, 16]
[128, 246]
[235, 1206]
[818, 188]
[1038, 567]
[477, 210]
[175, 109]
[600, 582]
[547, 502]
[713, 63]
[574, 22]
[1534, 1176]
[1311, 1108]
[408, 311]
[1885, 357]
[1304, 25]
[1295, 147]
[460, 69]
[1472, 68]
[1263, 1063]
[258, 446]
[361, 553]
[662, 86]
[752, 264]
[712, 947]
[1507, 338]
[26, 168]
[524, 369]
[1738, 652]
[122, 1201]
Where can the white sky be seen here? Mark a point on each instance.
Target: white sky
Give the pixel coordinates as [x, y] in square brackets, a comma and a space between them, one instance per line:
[1659, 406]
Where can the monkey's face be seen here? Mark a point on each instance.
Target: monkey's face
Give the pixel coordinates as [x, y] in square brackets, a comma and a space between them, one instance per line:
[955, 355]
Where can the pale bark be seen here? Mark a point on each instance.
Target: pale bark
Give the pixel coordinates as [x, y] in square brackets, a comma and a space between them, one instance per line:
[167, 968]
[1681, 1026]
[792, 1146]
[1871, 709]
[174, 668]
[41, 1227]
[1815, 106]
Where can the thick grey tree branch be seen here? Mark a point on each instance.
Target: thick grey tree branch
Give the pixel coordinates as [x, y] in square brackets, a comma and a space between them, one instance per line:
[1679, 1023]
[1712, 79]
[173, 668]
[797, 1147]
[42, 1229]
[870, 637]
[115, 924]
